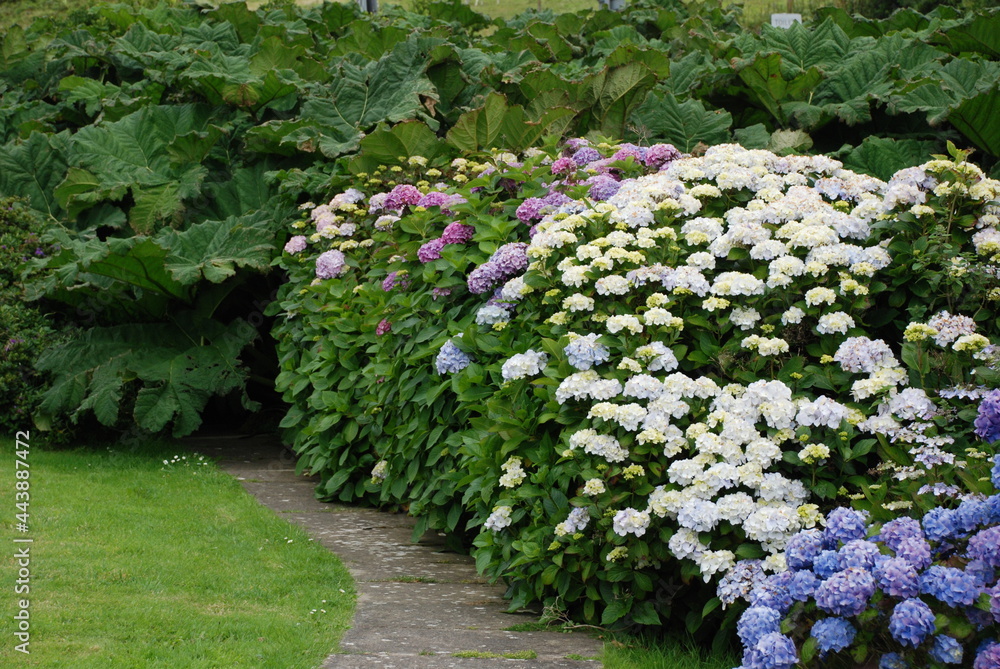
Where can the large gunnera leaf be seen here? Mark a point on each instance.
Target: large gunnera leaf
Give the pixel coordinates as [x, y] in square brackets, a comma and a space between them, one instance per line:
[33, 168]
[684, 124]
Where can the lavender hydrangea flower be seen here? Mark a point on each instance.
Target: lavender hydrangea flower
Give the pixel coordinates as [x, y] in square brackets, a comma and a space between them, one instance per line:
[988, 657]
[602, 187]
[994, 594]
[946, 650]
[985, 546]
[430, 251]
[661, 155]
[529, 210]
[915, 551]
[740, 581]
[402, 195]
[858, 553]
[508, 261]
[911, 622]
[394, 279]
[564, 165]
[773, 593]
[457, 233]
[844, 524]
[826, 564]
[330, 264]
[451, 359]
[995, 472]
[803, 548]
[296, 244]
[755, 622]
[898, 578]
[892, 661]
[383, 327]
[803, 585]
[586, 155]
[950, 585]
[832, 634]
[898, 529]
[988, 421]
[970, 515]
[846, 593]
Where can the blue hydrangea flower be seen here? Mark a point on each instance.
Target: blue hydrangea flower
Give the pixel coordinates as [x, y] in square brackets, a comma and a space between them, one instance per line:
[803, 548]
[898, 529]
[857, 553]
[947, 650]
[950, 585]
[985, 546]
[995, 472]
[994, 594]
[970, 515]
[988, 421]
[892, 661]
[832, 634]
[916, 551]
[846, 593]
[843, 525]
[826, 564]
[992, 505]
[803, 585]
[911, 622]
[584, 352]
[740, 581]
[982, 571]
[898, 578]
[940, 524]
[773, 651]
[755, 622]
[451, 359]
[773, 593]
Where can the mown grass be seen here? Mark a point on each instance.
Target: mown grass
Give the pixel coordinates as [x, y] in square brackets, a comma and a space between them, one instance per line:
[136, 564]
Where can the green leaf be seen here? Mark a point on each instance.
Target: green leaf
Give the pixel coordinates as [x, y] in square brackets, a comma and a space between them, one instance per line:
[385, 145]
[662, 119]
[769, 87]
[980, 35]
[615, 610]
[33, 168]
[480, 128]
[214, 249]
[754, 137]
[977, 119]
[615, 93]
[882, 157]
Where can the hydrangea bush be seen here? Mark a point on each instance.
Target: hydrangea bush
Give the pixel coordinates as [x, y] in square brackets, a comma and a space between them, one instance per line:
[904, 593]
[627, 369]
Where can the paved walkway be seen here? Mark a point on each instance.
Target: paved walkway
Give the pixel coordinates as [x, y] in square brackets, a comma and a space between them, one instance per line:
[419, 606]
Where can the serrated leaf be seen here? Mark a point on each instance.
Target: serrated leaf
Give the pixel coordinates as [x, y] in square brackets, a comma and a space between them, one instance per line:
[212, 250]
[386, 145]
[753, 137]
[786, 142]
[769, 87]
[977, 119]
[614, 93]
[479, 128]
[882, 157]
[34, 168]
[980, 35]
[662, 119]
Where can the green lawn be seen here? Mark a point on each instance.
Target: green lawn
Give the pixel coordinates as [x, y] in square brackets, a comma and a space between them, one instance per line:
[639, 653]
[138, 564]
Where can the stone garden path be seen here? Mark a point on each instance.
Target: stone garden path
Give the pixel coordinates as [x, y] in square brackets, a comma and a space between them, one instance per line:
[419, 606]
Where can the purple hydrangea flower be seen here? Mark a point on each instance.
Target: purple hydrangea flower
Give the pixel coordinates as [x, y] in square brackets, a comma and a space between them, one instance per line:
[755, 622]
[911, 622]
[564, 165]
[993, 509]
[602, 187]
[296, 244]
[394, 279]
[985, 546]
[898, 529]
[330, 264]
[530, 209]
[402, 195]
[994, 594]
[451, 359]
[740, 581]
[773, 593]
[988, 657]
[950, 585]
[555, 199]
[946, 650]
[988, 421]
[914, 550]
[832, 634]
[858, 553]
[586, 155]
[843, 525]
[981, 571]
[661, 155]
[970, 515]
[457, 233]
[431, 250]
[630, 151]
[846, 593]
[434, 199]
[995, 472]
[383, 327]
[803, 548]
[898, 578]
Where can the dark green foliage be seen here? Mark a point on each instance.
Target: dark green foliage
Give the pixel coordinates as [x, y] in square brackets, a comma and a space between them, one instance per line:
[25, 329]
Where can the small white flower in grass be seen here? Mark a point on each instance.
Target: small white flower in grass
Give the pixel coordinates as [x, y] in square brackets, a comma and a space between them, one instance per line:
[630, 521]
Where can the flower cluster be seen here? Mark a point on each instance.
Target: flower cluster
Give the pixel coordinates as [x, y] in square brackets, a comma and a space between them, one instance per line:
[887, 587]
